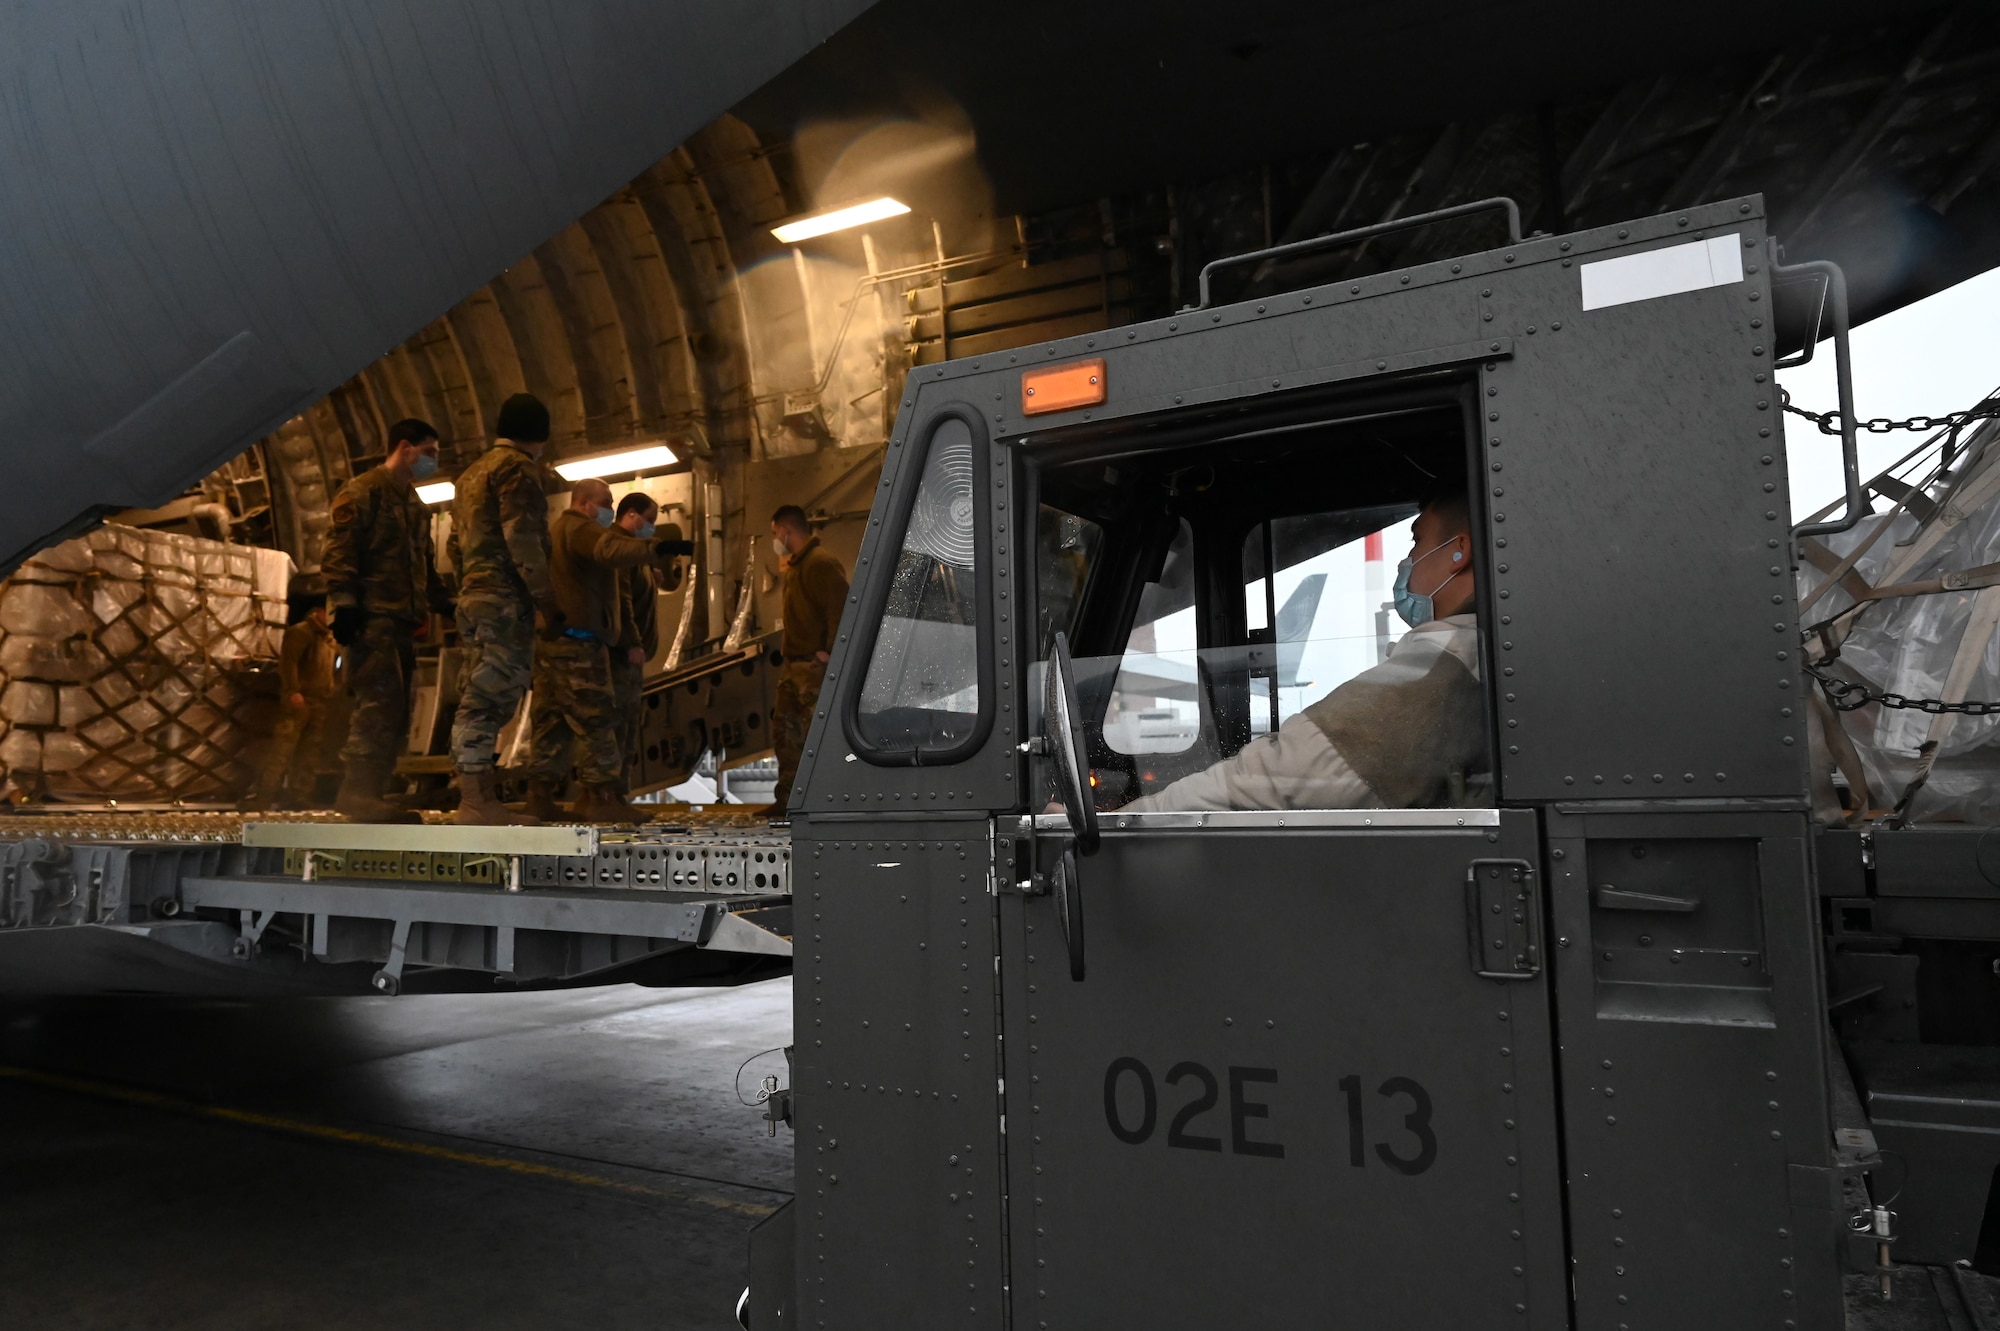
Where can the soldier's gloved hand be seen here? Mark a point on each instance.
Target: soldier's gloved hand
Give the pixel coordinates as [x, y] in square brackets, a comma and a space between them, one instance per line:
[443, 604]
[348, 621]
[550, 623]
[669, 548]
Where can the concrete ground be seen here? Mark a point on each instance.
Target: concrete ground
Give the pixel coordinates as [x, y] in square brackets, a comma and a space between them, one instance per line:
[570, 1159]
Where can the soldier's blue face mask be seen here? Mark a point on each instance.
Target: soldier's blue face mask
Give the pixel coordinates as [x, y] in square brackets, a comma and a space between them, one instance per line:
[425, 467]
[645, 532]
[603, 517]
[1415, 607]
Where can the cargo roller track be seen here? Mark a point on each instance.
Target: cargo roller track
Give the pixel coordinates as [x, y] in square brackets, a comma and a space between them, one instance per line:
[164, 900]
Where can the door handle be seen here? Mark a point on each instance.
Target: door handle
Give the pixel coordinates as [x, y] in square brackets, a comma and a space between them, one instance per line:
[1503, 919]
[1608, 897]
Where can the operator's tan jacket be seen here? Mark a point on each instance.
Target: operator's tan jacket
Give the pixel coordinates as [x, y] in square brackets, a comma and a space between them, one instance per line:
[1408, 733]
[586, 562]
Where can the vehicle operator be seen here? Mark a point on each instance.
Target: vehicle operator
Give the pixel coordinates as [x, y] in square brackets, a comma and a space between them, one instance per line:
[1408, 733]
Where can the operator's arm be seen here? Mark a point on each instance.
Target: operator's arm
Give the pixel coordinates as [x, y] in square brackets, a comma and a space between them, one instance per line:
[1297, 768]
[615, 549]
[524, 524]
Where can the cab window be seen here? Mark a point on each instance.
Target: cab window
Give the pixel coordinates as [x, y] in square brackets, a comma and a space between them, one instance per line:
[921, 696]
[1234, 586]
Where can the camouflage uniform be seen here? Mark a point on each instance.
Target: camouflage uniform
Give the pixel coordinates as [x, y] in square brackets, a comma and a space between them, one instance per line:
[814, 594]
[576, 713]
[574, 696]
[639, 626]
[305, 669]
[500, 547]
[379, 559]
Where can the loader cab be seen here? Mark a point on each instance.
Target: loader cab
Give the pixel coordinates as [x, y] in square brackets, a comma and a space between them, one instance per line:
[1561, 1021]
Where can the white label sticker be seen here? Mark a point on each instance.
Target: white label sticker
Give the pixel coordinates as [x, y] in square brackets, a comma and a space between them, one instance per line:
[1667, 272]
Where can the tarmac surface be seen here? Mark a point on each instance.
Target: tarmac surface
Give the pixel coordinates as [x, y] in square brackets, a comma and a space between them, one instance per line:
[560, 1159]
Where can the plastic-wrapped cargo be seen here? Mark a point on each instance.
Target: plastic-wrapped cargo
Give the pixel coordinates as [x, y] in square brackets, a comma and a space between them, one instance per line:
[1906, 606]
[125, 662]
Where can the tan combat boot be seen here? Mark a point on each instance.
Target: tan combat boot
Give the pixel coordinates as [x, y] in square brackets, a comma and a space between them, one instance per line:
[602, 803]
[479, 804]
[361, 801]
[541, 801]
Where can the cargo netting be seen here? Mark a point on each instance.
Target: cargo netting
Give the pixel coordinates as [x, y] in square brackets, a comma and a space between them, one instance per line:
[130, 663]
[1901, 623]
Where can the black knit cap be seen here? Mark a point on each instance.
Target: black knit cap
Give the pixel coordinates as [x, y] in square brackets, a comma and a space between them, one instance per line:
[523, 419]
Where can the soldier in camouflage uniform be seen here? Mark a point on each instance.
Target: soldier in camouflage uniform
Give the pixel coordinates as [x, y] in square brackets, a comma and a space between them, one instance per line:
[500, 547]
[576, 712]
[382, 585]
[305, 683]
[639, 622]
[813, 593]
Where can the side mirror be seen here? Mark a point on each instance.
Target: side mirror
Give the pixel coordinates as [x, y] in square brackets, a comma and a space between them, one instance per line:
[1060, 710]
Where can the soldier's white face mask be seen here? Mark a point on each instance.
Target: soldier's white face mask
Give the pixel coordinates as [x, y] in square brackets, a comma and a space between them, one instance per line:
[778, 546]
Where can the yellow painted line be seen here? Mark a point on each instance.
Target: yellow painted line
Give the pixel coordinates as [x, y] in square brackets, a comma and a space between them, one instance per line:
[326, 1132]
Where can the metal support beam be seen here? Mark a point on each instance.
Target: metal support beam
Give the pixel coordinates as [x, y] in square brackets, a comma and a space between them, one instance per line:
[1764, 97]
[686, 917]
[1842, 161]
[554, 839]
[389, 979]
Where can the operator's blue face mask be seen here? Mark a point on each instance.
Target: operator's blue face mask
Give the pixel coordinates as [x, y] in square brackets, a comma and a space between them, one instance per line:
[425, 467]
[603, 517]
[1415, 607]
[645, 532]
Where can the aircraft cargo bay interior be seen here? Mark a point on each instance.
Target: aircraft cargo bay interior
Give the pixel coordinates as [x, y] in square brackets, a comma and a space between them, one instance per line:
[846, 665]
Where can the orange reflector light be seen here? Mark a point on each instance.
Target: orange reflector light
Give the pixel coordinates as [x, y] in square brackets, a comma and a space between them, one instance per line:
[1064, 388]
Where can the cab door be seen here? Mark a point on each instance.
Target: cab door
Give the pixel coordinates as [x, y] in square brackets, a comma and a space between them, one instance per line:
[1306, 1080]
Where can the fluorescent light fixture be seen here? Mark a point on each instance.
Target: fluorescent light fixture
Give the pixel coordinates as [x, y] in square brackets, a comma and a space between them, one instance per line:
[820, 224]
[437, 492]
[628, 463]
